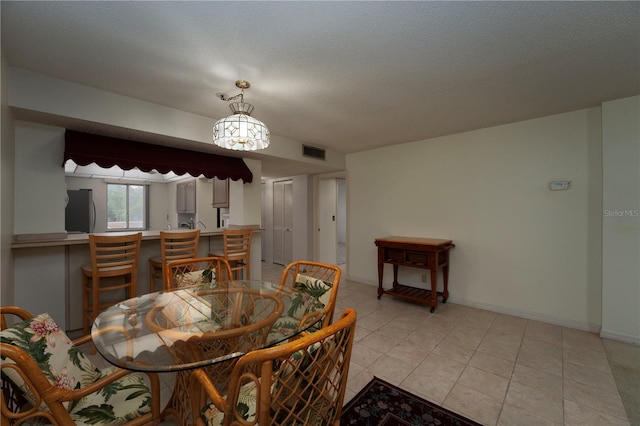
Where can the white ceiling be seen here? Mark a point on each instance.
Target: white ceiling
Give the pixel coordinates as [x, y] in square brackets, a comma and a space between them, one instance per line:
[346, 76]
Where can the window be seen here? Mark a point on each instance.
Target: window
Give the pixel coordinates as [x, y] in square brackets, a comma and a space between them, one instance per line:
[126, 207]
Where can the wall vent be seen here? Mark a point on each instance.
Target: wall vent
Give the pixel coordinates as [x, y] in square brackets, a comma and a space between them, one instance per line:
[313, 152]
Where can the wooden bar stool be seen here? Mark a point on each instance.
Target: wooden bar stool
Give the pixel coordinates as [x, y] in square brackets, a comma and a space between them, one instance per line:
[174, 245]
[112, 256]
[237, 251]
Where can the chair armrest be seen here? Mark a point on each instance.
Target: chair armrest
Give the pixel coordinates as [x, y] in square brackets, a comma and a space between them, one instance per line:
[110, 378]
[199, 382]
[12, 310]
[310, 318]
[81, 340]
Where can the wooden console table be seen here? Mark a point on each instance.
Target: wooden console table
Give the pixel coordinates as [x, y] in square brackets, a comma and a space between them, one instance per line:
[423, 253]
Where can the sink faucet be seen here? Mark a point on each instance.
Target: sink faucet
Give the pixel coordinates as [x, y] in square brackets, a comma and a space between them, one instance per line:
[186, 225]
[203, 225]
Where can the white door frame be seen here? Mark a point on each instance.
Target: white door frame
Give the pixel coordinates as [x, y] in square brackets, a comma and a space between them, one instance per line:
[318, 241]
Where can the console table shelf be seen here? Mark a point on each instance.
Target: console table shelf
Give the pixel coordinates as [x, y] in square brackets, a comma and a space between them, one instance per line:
[423, 253]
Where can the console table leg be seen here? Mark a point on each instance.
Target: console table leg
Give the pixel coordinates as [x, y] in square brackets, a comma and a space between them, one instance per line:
[445, 278]
[380, 273]
[395, 276]
[433, 300]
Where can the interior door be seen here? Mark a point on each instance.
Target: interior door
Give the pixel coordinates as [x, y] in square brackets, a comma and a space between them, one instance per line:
[327, 225]
[283, 222]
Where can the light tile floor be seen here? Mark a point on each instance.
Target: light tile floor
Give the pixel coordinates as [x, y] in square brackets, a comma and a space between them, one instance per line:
[496, 369]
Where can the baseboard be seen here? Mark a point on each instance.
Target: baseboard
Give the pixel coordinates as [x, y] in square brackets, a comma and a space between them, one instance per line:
[591, 328]
[579, 325]
[610, 335]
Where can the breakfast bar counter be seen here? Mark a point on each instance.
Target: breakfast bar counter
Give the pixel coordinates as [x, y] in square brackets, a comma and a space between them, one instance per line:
[67, 239]
[48, 268]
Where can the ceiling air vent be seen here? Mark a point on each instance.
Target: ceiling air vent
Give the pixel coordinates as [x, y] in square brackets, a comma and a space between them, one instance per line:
[310, 151]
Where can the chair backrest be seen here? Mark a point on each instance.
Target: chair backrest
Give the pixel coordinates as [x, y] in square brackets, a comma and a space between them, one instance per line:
[300, 276]
[300, 382]
[176, 245]
[114, 255]
[237, 243]
[202, 270]
[237, 248]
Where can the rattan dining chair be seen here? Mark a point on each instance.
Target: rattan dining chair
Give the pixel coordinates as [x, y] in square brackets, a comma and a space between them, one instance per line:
[237, 250]
[316, 290]
[113, 270]
[197, 271]
[244, 318]
[46, 379]
[301, 382]
[174, 245]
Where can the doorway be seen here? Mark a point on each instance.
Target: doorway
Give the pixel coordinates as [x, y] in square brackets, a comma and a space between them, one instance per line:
[332, 221]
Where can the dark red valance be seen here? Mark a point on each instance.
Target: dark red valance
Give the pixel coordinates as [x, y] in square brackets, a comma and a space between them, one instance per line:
[85, 148]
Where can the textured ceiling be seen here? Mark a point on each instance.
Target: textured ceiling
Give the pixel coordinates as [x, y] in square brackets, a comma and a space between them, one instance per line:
[346, 76]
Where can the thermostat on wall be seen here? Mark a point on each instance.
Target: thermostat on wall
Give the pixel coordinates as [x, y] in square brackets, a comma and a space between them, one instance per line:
[559, 185]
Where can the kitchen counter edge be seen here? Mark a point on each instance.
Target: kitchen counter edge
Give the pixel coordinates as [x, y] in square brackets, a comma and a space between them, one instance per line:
[66, 239]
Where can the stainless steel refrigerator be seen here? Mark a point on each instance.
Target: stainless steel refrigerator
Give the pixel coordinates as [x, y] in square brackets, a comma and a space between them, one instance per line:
[80, 213]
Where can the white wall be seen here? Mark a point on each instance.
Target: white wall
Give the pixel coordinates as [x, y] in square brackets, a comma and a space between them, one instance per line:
[245, 199]
[205, 213]
[39, 275]
[520, 248]
[39, 178]
[7, 155]
[621, 221]
[245, 205]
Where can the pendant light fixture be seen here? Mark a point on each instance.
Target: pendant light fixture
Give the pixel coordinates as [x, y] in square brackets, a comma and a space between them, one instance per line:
[240, 131]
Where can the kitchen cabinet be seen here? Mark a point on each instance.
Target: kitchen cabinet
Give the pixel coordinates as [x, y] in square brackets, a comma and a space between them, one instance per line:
[220, 193]
[186, 197]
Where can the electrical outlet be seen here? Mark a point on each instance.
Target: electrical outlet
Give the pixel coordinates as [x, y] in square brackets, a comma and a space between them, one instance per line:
[424, 278]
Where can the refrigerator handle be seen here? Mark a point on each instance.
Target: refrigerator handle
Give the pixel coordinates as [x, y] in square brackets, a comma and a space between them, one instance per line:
[93, 224]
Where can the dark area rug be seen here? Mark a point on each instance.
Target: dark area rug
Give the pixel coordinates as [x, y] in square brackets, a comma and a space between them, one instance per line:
[382, 404]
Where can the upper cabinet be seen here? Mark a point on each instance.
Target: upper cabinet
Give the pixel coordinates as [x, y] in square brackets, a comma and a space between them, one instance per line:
[220, 193]
[186, 193]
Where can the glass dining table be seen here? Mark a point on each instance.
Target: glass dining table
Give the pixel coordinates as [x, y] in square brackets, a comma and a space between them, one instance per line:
[203, 326]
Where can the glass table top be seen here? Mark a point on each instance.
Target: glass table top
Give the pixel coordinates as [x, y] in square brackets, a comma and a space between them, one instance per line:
[195, 326]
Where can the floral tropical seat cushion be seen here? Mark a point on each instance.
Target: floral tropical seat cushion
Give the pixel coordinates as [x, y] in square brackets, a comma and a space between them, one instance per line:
[312, 295]
[68, 368]
[200, 277]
